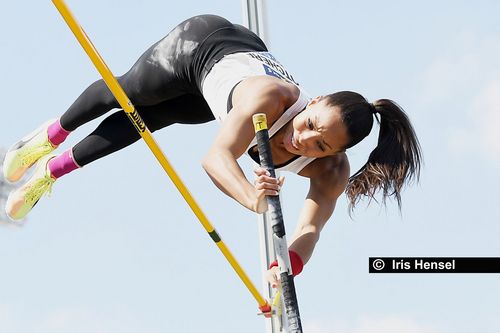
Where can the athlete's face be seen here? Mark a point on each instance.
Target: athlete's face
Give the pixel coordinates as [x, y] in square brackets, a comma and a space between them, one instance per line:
[317, 131]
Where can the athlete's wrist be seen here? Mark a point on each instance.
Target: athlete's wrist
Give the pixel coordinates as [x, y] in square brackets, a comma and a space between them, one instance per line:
[255, 202]
[295, 261]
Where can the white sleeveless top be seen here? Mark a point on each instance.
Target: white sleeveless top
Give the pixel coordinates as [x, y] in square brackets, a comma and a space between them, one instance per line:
[234, 68]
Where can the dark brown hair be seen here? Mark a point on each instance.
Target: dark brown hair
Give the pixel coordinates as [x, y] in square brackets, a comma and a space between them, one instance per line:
[397, 158]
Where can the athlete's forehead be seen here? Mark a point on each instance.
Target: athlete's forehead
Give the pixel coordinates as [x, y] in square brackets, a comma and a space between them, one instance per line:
[327, 120]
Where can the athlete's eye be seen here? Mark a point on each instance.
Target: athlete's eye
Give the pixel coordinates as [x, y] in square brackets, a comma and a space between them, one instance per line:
[310, 124]
[321, 147]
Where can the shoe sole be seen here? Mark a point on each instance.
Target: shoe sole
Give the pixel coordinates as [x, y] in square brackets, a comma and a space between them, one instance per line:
[20, 144]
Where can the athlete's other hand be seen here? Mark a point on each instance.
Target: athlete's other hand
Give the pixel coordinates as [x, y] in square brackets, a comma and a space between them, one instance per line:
[265, 185]
[273, 276]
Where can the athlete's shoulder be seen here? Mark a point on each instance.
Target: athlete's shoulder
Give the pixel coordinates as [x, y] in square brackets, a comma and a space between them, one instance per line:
[264, 87]
[261, 84]
[330, 173]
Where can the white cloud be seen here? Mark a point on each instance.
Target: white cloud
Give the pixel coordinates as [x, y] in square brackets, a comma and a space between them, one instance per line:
[462, 84]
[461, 67]
[70, 319]
[74, 320]
[6, 319]
[482, 132]
[388, 324]
[487, 114]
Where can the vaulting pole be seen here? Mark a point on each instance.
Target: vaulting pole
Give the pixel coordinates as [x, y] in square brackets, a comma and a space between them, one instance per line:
[141, 127]
[254, 14]
[278, 227]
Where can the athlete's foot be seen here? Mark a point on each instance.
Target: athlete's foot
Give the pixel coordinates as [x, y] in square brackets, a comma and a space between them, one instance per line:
[22, 155]
[22, 200]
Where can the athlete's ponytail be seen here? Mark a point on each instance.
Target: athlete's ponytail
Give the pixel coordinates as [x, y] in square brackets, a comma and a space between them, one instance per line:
[396, 159]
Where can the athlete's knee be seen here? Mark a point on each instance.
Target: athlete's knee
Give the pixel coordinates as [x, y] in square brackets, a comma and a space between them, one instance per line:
[99, 91]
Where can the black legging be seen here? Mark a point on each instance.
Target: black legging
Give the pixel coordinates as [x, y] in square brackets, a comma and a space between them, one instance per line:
[164, 85]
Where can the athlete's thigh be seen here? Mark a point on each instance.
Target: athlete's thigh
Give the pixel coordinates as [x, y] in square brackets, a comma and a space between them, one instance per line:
[165, 70]
[184, 109]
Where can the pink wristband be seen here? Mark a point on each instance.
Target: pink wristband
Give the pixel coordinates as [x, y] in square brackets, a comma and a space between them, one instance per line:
[295, 261]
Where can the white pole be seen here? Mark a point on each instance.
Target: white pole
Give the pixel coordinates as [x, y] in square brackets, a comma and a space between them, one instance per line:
[255, 18]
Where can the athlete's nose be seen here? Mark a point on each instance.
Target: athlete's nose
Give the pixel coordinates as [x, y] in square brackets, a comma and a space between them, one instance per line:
[306, 138]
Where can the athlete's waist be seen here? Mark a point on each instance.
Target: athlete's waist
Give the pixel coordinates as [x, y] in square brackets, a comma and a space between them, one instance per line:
[234, 68]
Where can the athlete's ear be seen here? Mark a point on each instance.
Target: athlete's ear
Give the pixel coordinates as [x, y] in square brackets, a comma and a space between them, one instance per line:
[315, 100]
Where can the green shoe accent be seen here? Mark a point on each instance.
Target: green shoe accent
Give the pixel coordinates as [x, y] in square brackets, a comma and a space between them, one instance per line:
[33, 154]
[38, 189]
[22, 155]
[22, 200]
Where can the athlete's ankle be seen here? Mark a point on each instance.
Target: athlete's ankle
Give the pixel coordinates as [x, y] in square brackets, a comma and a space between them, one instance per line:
[56, 133]
[62, 164]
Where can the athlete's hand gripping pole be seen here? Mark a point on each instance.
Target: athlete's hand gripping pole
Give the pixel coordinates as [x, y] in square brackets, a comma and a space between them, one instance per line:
[139, 124]
[279, 237]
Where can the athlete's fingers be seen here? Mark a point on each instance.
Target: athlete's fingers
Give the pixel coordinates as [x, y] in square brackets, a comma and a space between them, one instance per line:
[273, 277]
[267, 186]
[264, 192]
[259, 171]
[264, 176]
[266, 180]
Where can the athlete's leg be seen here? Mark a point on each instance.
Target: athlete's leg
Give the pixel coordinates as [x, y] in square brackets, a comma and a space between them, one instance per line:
[117, 132]
[145, 84]
[163, 72]
[142, 85]
[114, 133]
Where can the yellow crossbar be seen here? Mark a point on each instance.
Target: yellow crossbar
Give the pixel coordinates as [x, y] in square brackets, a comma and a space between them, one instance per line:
[141, 127]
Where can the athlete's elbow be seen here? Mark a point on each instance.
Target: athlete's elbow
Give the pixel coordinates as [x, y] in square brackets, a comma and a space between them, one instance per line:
[207, 163]
[315, 236]
[312, 233]
[211, 162]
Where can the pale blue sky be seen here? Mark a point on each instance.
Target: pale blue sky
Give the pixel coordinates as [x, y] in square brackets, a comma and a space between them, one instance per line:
[115, 249]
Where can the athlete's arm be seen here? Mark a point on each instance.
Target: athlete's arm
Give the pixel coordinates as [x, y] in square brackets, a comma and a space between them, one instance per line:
[261, 94]
[327, 180]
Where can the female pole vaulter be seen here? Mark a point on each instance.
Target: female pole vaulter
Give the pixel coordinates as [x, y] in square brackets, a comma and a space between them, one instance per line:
[208, 68]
